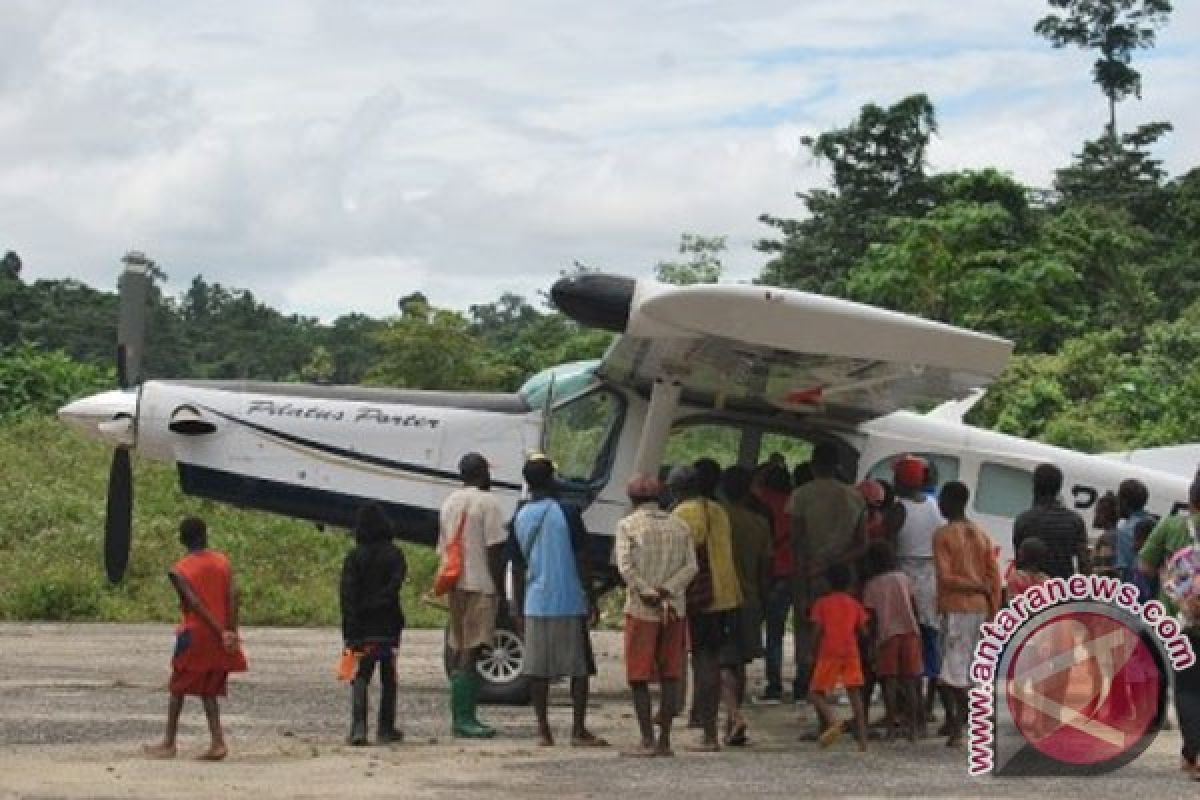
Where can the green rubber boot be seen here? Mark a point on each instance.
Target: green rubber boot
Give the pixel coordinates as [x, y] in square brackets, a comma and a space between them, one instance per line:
[462, 708]
[473, 685]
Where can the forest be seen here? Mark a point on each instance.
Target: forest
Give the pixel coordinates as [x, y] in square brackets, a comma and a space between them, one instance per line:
[1096, 279]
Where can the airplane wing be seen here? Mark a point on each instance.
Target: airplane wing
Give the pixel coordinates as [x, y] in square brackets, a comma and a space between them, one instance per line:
[761, 349]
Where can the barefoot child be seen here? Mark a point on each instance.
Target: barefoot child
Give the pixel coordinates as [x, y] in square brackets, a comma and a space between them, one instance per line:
[207, 647]
[838, 619]
[968, 594]
[889, 597]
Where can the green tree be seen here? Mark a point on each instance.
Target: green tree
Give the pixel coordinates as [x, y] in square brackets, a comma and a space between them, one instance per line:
[1104, 390]
[430, 348]
[10, 266]
[1119, 172]
[35, 381]
[879, 172]
[354, 345]
[320, 367]
[701, 261]
[964, 263]
[1115, 29]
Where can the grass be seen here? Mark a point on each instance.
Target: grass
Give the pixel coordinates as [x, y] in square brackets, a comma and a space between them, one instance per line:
[51, 532]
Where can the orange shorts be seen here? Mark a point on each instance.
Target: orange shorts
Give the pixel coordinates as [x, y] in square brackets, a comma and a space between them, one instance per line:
[206, 683]
[654, 650]
[899, 656]
[830, 672]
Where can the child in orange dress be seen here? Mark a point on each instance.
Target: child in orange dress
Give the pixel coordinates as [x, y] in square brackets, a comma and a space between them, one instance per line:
[838, 620]
[207, 645]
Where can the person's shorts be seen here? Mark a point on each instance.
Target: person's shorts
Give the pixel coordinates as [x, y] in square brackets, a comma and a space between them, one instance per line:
[960, 635]
[710, 629]
[830, 673]
[198, 683]
[899, 656]
[931, 656]
[654, 650]
[472, 619]
[558, 647]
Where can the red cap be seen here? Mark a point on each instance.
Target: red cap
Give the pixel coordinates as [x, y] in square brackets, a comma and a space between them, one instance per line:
[909, 471]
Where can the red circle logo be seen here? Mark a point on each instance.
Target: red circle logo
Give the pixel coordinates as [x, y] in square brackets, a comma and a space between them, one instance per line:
[1084, 688]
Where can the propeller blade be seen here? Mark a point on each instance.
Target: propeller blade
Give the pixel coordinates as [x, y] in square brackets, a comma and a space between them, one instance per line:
[133, 289]
[118, 517]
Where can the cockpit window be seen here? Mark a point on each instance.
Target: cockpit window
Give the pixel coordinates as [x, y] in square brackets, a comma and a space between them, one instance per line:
[582, 433]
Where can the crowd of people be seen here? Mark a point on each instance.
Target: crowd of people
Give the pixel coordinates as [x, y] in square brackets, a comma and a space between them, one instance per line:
[887, 583]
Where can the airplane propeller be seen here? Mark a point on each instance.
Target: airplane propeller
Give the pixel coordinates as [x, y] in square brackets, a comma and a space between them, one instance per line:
[133, 290]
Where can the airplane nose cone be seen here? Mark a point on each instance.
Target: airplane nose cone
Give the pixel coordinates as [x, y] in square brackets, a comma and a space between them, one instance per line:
[595, 300]
[107, 416]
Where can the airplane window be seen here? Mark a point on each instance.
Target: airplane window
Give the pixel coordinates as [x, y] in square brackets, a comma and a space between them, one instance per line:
[1003, 491]
[691, 442]
[793, 449]
[581, 434]
[942, 469]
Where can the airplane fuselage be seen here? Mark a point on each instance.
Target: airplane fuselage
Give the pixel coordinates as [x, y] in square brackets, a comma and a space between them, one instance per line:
[320, 452]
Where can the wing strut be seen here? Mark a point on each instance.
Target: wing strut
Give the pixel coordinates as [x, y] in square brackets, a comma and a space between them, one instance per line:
[664, 399]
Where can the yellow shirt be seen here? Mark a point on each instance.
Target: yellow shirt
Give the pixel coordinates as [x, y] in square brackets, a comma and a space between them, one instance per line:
[710, 528]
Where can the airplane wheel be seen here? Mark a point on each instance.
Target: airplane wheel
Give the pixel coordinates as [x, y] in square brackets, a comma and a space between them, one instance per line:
[500, 668]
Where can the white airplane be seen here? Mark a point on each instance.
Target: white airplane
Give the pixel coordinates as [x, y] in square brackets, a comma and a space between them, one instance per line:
[766, 369]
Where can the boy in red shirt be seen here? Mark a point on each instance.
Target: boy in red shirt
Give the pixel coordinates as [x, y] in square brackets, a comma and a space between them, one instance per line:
[207, 646]
[838, 619]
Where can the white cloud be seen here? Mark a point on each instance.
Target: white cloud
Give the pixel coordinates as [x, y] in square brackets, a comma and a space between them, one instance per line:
[334, 156]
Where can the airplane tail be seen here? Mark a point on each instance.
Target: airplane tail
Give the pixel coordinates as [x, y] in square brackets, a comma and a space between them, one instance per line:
[955, 410]
[1181, 459]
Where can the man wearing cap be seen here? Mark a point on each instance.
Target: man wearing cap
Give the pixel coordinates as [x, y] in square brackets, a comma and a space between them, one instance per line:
[914, 519]
[657, 561]
[473, 513]
[550, 572]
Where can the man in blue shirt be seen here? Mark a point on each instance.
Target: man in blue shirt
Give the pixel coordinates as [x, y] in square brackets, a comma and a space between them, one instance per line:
[549, 552]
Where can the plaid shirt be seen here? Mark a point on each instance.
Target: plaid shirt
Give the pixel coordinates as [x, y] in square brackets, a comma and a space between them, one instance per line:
[654, 550]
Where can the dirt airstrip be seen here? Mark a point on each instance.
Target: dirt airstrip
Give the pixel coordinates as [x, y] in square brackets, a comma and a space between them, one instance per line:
[78, 701]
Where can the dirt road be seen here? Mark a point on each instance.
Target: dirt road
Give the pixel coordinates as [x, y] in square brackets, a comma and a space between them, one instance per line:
[77, 702]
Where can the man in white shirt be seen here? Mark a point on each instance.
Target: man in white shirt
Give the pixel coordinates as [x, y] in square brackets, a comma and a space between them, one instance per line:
[473, 513]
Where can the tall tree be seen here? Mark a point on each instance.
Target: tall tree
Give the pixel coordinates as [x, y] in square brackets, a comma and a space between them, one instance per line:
[878, 164]
[1119, 172]
[701, 262]
[1114, 28]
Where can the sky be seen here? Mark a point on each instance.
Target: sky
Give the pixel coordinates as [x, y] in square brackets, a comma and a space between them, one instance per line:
[335, 156]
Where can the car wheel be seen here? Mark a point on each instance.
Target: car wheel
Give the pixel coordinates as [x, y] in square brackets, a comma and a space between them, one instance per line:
[499, 667]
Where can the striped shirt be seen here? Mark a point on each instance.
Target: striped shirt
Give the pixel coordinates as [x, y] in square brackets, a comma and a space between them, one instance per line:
[654, 551]
[1060, 529]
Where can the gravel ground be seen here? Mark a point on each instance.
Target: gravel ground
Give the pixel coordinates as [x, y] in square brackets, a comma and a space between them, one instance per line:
[77, 702]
